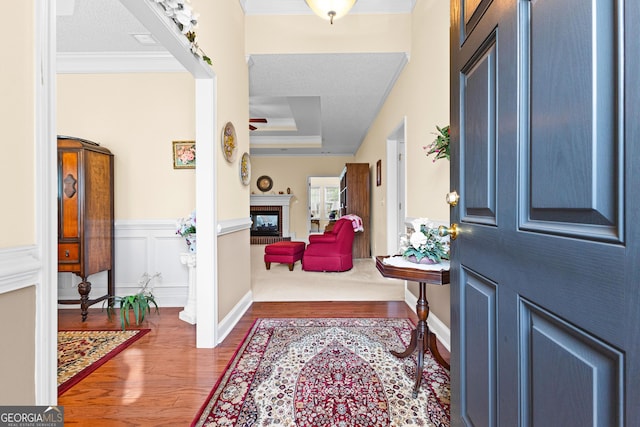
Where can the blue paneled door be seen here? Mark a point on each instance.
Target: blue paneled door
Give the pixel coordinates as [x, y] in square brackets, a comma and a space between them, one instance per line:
[545, 283]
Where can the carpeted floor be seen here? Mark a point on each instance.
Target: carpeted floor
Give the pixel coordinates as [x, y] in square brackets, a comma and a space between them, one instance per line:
[362, 283]
[82, 352]
[327, 372]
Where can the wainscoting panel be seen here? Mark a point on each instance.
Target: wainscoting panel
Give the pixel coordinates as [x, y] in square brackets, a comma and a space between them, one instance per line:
[141, 247]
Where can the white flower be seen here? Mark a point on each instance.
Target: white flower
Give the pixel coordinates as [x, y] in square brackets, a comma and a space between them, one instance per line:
[418, 239]
[419, 222]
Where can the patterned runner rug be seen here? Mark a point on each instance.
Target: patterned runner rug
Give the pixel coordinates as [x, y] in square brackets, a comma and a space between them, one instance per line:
[82, 352]
[326, 372]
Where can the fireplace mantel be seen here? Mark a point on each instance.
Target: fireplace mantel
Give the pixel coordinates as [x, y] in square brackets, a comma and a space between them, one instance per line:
[275, 200]
[271, 199]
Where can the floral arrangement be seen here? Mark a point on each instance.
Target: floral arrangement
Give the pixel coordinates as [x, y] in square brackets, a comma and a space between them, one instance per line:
[182, 14]
[424, 242]
[186, 154]
[440, 146]
[187, 226]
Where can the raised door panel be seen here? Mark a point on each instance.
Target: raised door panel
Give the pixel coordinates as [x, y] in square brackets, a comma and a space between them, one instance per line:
[562, 363]
[69, 191]
[98, 215]
[571, 156]
[479, 400]
[478, 86]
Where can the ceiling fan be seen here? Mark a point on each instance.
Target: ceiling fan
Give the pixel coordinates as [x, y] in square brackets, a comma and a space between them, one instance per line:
[254, 120]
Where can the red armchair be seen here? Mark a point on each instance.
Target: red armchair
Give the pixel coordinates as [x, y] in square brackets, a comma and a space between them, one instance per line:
[331, 251]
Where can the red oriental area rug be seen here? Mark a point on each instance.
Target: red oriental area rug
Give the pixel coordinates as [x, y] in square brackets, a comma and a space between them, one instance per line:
[82, 352]
[327, 372]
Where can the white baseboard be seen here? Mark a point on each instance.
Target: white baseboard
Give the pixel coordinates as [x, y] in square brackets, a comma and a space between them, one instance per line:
[229, 322]
[443, 333]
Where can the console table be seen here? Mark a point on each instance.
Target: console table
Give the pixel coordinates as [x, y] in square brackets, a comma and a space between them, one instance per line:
[421, 337]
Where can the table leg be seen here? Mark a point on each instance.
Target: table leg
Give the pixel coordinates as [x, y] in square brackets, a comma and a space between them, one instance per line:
[422, 339]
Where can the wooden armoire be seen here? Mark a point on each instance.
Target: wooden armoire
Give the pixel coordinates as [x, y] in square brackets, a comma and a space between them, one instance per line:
[355, 200]
[85, 216]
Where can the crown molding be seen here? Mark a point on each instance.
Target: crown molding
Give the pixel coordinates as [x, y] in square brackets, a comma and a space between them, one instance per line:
[117, 62]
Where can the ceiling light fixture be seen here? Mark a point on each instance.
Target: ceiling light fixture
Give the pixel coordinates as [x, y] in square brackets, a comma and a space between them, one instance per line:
[331, 9]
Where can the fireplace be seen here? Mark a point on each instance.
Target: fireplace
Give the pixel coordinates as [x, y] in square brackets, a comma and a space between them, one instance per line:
[266, 221]
[269, 218]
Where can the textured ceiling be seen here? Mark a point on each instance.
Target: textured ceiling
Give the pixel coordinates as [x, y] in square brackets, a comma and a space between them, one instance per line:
[315, 104]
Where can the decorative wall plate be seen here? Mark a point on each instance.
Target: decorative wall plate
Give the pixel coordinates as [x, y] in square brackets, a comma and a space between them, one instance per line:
[229, 142]
[264, 183]
[245, 169]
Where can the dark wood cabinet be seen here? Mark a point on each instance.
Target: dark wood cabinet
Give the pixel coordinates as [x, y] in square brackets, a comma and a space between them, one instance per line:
[85, 215]
[355, 199]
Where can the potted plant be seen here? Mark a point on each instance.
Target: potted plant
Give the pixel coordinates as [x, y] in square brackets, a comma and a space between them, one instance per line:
[424, 245]
[140, 303]
[440, 145]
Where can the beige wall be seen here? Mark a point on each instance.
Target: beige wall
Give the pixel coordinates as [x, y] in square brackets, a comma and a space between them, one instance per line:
[422, 95]
[136, 116]
[234, 276]
[221, 35]
[17, 323]
[308, 34]
[17, 121]
[293, 172]
[220, 32]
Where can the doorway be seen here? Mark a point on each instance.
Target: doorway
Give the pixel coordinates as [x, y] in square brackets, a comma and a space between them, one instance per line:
[396, 185]
[323, 195]
[45, 141]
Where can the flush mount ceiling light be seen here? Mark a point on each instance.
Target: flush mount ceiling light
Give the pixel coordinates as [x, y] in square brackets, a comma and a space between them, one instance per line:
[331, 9]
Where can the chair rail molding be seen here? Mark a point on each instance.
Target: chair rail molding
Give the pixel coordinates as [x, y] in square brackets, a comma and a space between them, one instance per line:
[19, 268]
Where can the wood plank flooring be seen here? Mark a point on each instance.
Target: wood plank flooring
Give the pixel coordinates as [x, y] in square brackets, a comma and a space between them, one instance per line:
[162, 379]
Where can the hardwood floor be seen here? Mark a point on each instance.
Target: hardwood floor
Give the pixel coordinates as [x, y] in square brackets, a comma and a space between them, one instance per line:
[162, 379]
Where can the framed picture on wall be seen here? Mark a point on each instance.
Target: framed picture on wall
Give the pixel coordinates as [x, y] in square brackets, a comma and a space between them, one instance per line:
[184, 154]
[378, 173]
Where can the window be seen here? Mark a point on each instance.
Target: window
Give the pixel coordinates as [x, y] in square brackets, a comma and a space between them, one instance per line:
[331, 202]
[314, 202]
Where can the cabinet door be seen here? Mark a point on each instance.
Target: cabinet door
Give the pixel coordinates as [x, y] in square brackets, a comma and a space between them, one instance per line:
[68, 196]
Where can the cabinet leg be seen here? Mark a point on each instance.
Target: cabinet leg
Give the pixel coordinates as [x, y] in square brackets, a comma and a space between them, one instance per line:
[84, 288]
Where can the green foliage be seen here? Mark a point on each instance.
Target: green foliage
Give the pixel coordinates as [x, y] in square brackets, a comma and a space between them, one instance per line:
[440, 146]
[139, 303]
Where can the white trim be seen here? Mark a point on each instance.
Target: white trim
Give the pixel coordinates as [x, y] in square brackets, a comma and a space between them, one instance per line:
[233, 225]
[270, 199]
[231, 320]
[442, 332]
[207, 288]
[145, 224]
[117, 62]
[46, 221]
[19, 268]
